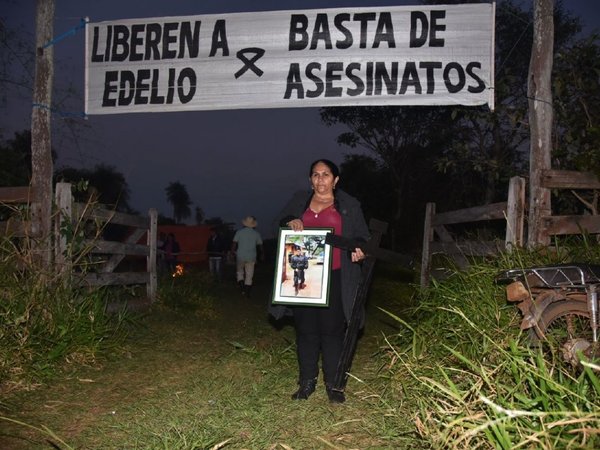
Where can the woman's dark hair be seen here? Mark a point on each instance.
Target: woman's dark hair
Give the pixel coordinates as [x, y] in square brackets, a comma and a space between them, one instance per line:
[334, 169]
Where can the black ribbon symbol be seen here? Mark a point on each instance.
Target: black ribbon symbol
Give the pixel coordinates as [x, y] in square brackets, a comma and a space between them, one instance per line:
[249, 62]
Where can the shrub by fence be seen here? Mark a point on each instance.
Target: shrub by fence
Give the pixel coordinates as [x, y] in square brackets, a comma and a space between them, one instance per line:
[111, 253]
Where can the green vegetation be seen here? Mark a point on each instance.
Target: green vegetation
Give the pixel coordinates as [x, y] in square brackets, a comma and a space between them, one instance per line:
[445, 368]
[474, 380]
[46, 323]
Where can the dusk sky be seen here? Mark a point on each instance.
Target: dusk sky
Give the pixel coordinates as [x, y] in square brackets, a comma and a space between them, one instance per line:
[233, 162]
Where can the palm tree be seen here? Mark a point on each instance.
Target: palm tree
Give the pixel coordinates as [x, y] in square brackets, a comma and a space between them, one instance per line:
[178, 196]
[199, 215]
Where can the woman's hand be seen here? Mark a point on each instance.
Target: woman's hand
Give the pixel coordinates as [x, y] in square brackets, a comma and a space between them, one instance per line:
[296, 225]
[357, 255]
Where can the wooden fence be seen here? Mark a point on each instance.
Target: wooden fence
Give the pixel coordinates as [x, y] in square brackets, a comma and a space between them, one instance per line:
[110, 253]
[17, 224]
[572, 224]
[513, 211]
[437, 238]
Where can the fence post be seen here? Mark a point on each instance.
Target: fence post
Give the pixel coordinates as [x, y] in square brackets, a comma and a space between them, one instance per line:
[64, 203]
[427, 239]
[152, 286]
[515, 213]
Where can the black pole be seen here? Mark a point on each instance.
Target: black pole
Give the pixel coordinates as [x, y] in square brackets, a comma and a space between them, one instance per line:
[341, 376]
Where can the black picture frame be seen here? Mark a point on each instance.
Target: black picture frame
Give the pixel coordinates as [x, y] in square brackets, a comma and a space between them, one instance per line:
[303, 268]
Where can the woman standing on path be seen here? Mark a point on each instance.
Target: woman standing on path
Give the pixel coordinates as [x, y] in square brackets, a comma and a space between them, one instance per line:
[320, 331]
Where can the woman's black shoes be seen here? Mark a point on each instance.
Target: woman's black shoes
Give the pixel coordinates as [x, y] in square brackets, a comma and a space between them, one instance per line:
[305, 389]
[335, 396]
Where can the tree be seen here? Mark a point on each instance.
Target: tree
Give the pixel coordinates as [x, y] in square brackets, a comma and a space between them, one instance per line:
[490, 145]
[178, 196]
[15, 160]
[474, 150]
[165, 220]
[488, 149]
[577, 106]
[365, 178]
[105, 184]
[401, 139]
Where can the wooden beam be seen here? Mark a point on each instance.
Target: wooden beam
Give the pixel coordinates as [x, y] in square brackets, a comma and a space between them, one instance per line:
[111, 279]
[93, 212]
[114, 260]
[427, 240]
[41, 136]
[569, 179]
[152, 286]
[557, 225]
[20, 194]
[475, 214]
[469, 248]
[14, 228]
[63, 198]
[515, 215]
[369, 249]
[443, 233]
[539, 93]
[118, 248]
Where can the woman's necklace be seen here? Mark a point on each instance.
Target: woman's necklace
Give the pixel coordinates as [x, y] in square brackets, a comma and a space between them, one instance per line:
[320, 204]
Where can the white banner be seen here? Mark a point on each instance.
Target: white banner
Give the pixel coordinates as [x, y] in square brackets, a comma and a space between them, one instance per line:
[403, 55]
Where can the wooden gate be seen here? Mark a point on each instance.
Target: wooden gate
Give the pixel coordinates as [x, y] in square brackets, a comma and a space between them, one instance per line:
[111, 253]
[16, 225]
[437, 238]
[571, 224]
[514, 212]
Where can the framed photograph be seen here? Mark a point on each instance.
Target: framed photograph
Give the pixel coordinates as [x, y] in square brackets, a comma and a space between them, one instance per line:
[302, 268]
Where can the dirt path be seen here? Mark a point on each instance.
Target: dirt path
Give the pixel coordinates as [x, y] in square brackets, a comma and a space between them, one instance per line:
[173, 347]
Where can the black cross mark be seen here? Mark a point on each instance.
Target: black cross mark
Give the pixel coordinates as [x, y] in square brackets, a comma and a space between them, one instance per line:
[249, 62]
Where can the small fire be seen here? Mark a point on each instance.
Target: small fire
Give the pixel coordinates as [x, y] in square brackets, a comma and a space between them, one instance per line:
[178, 270]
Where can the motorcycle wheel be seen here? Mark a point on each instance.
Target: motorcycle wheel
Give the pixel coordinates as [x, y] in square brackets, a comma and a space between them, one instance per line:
[565, 326]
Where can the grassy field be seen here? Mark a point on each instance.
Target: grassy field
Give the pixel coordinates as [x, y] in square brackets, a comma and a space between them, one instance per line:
[206, 369]
[215, 376]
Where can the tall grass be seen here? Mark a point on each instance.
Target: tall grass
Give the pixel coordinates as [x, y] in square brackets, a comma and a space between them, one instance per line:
[45, 320]
[463, 360]
[457, 374]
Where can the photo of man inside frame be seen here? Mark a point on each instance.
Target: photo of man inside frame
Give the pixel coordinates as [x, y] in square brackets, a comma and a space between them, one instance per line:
[302, 267]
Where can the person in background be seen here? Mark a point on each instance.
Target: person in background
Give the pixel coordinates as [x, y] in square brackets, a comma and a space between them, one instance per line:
[216, 250]
[171, 249]
[247, 245]
[320, 331]
[160, 252]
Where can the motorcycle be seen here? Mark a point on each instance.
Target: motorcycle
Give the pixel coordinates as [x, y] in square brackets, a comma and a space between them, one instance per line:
[559, 305]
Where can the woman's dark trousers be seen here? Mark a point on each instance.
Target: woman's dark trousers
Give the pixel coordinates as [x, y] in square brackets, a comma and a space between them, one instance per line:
[320, 331]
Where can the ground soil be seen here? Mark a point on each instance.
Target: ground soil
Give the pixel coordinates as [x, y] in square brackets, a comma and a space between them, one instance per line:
[171, 345]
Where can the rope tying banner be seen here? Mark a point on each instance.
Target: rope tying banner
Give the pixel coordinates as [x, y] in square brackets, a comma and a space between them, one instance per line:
[59, 112]
[71, 32]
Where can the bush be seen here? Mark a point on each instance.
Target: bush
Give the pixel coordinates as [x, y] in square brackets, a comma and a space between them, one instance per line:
[462, 358]
[45, 322]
